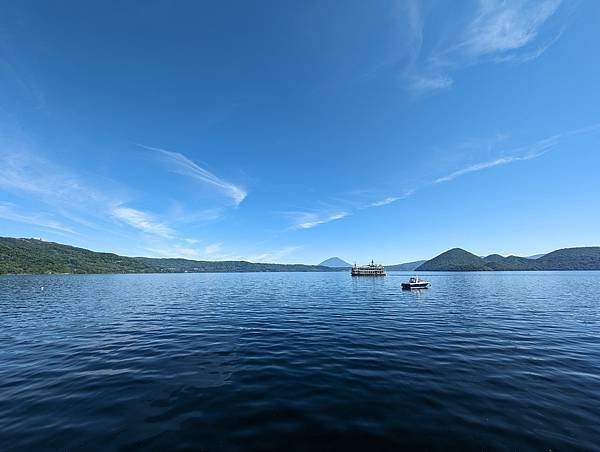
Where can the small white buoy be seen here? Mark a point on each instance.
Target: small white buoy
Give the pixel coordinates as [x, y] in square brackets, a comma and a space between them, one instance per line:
[42, 288]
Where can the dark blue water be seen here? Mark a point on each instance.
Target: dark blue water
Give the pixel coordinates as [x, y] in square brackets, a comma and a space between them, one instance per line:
[313, 361]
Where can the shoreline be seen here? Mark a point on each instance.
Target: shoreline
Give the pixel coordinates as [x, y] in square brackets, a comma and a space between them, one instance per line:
[432, 272]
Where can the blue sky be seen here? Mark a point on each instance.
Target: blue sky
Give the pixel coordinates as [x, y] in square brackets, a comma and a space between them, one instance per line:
[295, 131]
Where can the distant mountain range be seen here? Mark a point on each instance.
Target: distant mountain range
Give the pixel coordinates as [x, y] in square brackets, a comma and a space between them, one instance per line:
[407, 267]
[335, 262]
[32, 256]
[535, 256]
[457, 259]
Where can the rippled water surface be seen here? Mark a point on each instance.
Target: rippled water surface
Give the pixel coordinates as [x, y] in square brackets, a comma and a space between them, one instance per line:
[301, 361]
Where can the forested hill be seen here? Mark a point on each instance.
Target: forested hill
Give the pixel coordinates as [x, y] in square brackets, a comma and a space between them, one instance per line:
[456, 259]
[583, 258]
[32, 256]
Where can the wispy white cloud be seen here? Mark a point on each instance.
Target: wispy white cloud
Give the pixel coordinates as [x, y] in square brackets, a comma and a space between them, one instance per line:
[77, 202]
[500, 26]
[434, 82]
[484, 165]
[213, 248]
[22, 171]
[9, 211]
[179, 213]
[26, 174]
[215, 252]
[187, 252]
[175, 251]
[180, 164]
[392, 199]
[142, 221]
[308, 220]
[519, 154]
[497, 31]
[347, 205]
[274, 256]
[529, 55]
[530, 152]
[385, 201]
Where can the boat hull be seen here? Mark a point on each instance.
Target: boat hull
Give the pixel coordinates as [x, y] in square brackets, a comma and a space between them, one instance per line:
[411, 286]
[374, 274]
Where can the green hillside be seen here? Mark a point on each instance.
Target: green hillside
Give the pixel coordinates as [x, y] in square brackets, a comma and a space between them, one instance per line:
[512, 263]
[584, 258]
[37, 256]
[495, 258]
[32, 256]
[455, 260]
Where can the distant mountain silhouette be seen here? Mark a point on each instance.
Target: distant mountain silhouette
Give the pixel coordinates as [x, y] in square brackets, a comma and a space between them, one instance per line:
[535, 256]
[457, 259]
[406, 267]
[335, 262]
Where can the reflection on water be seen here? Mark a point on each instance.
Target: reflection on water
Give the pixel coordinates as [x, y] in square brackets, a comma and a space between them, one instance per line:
[308, 361]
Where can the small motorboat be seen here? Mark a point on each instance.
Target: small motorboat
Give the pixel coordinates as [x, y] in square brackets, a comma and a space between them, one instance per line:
[415, 283]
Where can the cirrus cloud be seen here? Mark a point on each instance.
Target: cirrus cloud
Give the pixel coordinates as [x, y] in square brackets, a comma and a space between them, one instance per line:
[142, 221]
[180, 164]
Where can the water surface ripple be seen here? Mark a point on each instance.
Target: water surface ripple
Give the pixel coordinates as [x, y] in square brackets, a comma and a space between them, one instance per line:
[302, 361]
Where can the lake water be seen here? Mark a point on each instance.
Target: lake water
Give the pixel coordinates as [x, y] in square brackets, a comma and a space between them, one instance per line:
[301, 361]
